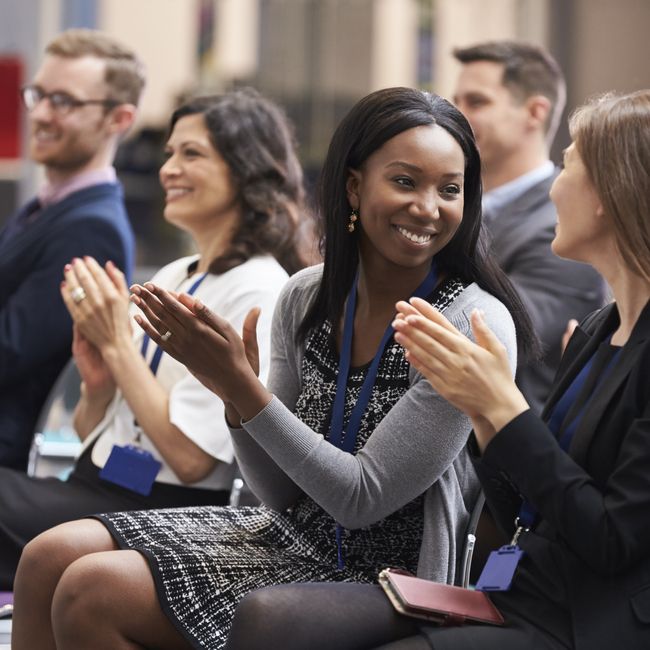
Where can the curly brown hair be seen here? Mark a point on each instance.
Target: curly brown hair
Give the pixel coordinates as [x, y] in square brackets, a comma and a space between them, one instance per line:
[253, 136]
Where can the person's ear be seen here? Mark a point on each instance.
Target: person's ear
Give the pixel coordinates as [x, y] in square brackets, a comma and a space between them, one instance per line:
[352, 187]
[121, 118]
[539, 109]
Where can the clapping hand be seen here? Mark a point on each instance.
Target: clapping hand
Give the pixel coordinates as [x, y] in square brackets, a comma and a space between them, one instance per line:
[98, 302]
[94, 372]
[206, 344]
[474, 377]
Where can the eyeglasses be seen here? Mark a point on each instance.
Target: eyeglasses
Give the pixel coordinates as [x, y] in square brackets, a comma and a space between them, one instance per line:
[62, 103]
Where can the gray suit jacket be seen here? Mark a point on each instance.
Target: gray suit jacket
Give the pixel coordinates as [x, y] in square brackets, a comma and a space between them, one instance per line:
[552, 289]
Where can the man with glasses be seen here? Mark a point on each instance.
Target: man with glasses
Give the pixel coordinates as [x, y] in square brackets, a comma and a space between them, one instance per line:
[81, 102]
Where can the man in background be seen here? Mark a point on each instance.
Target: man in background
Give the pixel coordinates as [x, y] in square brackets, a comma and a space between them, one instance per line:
[513, 95]
[81, 102]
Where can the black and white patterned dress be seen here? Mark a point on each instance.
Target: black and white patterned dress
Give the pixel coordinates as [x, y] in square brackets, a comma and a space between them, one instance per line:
[205, 559]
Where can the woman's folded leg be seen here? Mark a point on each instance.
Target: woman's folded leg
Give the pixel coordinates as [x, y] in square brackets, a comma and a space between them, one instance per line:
[318, 616]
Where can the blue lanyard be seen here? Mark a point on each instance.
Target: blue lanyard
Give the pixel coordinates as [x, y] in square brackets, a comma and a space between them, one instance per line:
[345, 437]
[528, 513]
[157, 355]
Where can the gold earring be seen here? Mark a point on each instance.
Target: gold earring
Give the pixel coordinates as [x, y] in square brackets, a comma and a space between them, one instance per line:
[354, 215]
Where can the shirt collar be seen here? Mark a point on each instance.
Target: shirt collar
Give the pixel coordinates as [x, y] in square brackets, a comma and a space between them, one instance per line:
[497, 198]
[52, 193]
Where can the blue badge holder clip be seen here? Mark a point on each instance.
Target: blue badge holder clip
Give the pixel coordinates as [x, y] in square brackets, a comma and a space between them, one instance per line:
[132, 468]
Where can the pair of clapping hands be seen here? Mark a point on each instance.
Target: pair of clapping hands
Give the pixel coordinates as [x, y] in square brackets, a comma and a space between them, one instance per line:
[210, 348]
[98, 301]
[474, 377]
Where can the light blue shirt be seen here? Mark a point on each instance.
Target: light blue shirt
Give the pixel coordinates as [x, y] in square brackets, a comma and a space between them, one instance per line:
[496, 199]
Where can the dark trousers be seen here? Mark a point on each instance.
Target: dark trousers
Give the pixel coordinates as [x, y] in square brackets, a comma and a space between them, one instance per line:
[29, 506]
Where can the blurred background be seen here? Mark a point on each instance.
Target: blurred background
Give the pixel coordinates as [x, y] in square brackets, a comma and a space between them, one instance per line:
[315, 57]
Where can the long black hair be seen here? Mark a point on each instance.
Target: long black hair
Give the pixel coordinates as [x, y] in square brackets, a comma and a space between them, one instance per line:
[253, 136]
[373, 121]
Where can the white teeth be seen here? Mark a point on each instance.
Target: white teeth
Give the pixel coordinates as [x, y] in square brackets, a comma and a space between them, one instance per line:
[418, 239]
[175, 192]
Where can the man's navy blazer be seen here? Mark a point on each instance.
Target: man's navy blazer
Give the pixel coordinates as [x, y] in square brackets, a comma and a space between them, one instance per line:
[35, 327]
[594, 535]
[552, 289]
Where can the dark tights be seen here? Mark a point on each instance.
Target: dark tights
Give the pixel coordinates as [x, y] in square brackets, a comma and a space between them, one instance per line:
[321, 616]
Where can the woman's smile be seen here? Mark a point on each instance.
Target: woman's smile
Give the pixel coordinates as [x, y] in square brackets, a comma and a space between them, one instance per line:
[414, 236]
[409, 194]
[174, 193]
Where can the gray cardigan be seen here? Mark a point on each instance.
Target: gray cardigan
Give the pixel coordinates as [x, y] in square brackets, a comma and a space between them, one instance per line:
[280, 457]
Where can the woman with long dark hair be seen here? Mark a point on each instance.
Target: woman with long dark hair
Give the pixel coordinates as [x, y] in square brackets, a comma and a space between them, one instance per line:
[572, 487]
[358, 461]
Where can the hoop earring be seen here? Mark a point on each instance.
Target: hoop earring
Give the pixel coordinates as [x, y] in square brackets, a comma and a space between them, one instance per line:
[354, 215]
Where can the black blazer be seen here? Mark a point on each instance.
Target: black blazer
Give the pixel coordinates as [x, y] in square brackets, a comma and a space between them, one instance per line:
[35, 328]
[594, 533]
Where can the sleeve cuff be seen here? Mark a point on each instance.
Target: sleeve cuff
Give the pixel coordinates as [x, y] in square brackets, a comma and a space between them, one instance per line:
[274, 426]
[524, 440]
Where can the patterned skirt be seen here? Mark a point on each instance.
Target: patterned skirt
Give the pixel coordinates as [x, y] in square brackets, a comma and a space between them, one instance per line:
[204, 560]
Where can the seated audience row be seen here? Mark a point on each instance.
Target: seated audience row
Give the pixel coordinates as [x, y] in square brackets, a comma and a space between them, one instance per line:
[358, 443]
[401, 202]
[153, 435]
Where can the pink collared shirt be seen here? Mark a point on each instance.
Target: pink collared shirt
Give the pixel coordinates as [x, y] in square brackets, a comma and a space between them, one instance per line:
[52, 193]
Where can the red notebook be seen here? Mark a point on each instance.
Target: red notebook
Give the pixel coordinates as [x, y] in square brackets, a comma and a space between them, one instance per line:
[437, 602]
